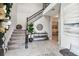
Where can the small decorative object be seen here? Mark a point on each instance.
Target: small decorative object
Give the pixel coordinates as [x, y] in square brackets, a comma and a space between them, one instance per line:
[9, 23]
[39, 27]
[6, 25]
[30, 30]
[19, 26]
[30, 39]
[2, 14]
[2, 30]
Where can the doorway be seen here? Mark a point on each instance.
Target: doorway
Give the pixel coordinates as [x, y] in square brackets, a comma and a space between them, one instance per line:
[54, 30]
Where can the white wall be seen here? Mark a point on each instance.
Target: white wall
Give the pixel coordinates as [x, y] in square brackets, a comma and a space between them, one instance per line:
[45, 21]
[50, 27]
[12, 27]
[48, 9]
[25, 10]
[69, 14]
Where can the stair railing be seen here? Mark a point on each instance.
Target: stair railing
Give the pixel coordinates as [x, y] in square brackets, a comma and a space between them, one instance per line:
[30, 18]
[35, 14]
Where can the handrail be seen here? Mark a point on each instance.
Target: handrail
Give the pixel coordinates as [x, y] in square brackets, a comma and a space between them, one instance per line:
[35, 14]
[27, 20]
[38, 12]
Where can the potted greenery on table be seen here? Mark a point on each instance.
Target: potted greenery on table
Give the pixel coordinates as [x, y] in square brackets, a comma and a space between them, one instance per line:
[30, 30]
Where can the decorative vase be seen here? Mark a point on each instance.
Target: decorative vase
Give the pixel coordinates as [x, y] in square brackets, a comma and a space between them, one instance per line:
[30, 39]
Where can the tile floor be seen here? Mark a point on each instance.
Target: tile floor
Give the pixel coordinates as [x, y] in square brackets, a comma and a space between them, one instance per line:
[36, 48]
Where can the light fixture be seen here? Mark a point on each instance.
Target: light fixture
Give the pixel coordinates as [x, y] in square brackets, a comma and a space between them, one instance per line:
[57, 16]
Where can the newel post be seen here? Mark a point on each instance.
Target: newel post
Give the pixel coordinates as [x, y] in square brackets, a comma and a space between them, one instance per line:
[26, 34]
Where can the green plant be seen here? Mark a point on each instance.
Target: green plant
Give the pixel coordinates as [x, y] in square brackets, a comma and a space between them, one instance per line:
[30, 28]
[8, 10]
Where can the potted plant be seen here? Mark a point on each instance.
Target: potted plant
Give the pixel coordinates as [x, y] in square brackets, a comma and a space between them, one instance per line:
[30, 30]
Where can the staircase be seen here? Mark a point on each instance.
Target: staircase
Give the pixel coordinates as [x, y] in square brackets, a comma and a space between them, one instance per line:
[17, 39]
[36, 16]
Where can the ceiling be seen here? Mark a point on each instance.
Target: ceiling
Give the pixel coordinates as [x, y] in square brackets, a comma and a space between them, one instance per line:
[53, 11]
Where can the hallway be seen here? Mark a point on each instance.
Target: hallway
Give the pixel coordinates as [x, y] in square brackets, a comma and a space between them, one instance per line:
[36, 48]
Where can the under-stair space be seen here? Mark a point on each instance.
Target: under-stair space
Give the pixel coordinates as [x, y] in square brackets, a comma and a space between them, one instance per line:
[37, 17]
